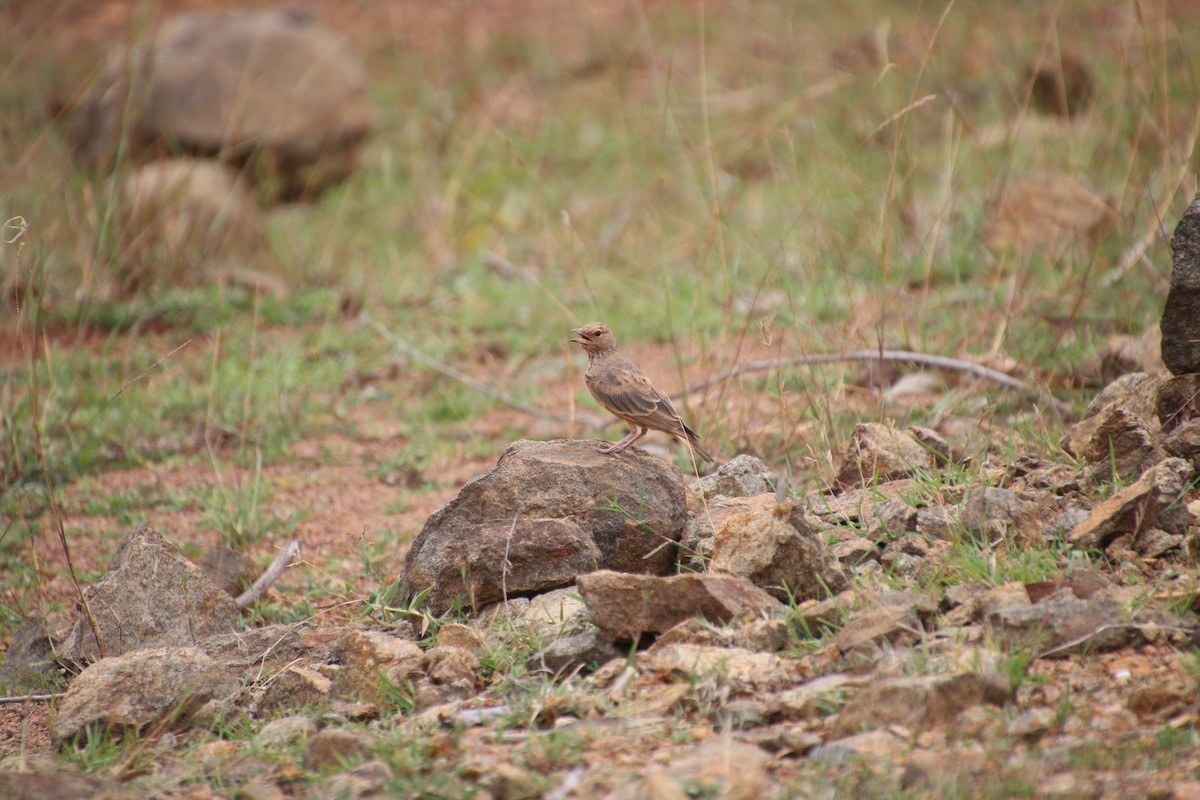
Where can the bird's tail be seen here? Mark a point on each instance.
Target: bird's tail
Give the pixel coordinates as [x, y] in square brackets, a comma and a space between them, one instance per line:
[693, 441]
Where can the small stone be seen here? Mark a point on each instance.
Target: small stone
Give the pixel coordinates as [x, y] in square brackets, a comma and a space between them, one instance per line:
[295, 687]
[876, 453]
[1031, 725]
[782, 740]
[1155, 543]
[1065, 785]
[1177, 401]
[818, 697]
[875, 745]
[742, 476]
[1184, 442]
[891, 518]
[729, 664]
[455, 634]
[366, 781]
[778, 551]
[586, 650]
[937, 522]
[333, 747]
[56, 786]
[371, 659]
[1046, 214]
[625, 606]
[556, 612]
[1133, 507]
[932, 769]
[865, 631]
[279, 734]
[1123, 446]
[995, 515]
[924, 700]
[453, 666]
[1062, 624]
[724, 768]
[1186, 790]
[854, 551]
[1157, 701]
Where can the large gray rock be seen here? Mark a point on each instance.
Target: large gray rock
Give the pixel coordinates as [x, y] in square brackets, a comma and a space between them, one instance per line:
[138, 689]
[1047, 214]
[151, 596]
[547, 512]
[1181, 317]
[268, 88]
[500, 559]
[625, 606]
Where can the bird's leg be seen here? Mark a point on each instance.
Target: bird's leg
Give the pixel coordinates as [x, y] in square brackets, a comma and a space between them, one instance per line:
[629, 439]
[634, 435]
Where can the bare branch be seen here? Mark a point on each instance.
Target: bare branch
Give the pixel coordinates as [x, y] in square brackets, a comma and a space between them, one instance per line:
[32, 698]
[273, 573]
[903, 356]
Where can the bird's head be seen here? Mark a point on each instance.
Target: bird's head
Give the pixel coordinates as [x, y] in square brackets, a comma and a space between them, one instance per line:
[595, 338]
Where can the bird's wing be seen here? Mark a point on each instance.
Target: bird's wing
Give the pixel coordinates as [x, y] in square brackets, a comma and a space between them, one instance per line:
[630, 394]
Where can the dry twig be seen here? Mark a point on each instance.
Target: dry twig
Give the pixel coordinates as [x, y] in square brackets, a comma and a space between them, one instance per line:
[903, 356]
[264, 582]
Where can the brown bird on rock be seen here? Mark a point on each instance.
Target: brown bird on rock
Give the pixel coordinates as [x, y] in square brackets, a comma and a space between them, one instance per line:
[623, 389]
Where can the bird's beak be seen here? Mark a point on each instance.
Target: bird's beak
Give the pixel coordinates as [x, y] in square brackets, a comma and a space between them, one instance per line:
[577, 332]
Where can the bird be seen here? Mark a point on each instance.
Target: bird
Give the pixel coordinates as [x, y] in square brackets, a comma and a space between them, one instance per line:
[625, 391]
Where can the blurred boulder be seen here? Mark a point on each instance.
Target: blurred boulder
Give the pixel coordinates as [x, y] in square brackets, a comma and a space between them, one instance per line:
[268, 90]
[1061, 86]
[1045, 214]
[183, 215]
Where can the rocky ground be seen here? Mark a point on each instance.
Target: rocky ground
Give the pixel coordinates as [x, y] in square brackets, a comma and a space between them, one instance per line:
[578, 625]
[901, 611]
